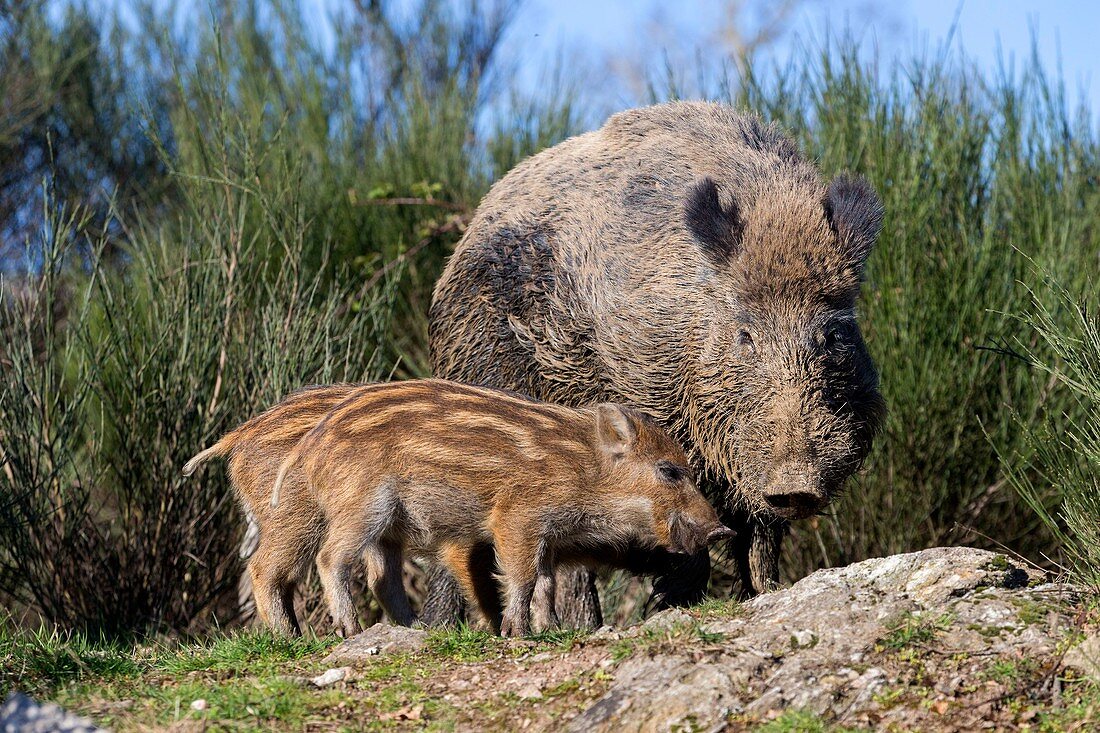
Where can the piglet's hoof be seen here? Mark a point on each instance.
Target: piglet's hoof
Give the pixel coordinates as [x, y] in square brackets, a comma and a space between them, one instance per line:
[512, 629]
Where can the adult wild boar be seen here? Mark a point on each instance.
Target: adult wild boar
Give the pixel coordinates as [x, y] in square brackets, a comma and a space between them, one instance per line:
[687, 260]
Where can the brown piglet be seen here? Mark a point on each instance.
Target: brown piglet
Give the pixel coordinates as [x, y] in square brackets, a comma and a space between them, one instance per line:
[445, 470]
[290, 532]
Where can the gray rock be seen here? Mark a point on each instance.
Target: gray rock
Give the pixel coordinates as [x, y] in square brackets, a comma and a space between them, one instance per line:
[1085, 657]
[667, 619]
[378, 639]
[20, 714]
[795, 648]
[331, 677]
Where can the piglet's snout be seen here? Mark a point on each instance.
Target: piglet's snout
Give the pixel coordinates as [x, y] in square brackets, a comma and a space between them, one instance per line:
[719, 533]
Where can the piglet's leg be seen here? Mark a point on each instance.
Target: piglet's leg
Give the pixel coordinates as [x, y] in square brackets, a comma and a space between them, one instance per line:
[545, 614]
[517, 615]
[472, 566]
[384, 574]
[338, 555]
[518, 549]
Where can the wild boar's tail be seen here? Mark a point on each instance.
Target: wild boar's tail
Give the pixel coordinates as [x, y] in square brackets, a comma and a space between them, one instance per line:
[218, 449]
[289, 463]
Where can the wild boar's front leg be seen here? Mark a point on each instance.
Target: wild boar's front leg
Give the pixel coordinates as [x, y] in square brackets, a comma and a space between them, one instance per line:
[680, 581]
[444, 605]
[756, 551]
[578, 601]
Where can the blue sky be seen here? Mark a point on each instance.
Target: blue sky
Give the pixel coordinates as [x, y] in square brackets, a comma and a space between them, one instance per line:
[589, 32]
[590, 36]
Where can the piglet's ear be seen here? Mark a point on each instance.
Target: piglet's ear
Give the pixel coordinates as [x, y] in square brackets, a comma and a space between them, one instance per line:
[615, 428]
[716, 229]
[854, 212]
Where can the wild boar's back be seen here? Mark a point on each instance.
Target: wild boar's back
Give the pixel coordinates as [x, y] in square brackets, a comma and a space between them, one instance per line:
[560, 287]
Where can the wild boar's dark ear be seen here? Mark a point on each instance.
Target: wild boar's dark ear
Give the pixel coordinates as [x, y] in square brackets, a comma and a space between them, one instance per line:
[615, 428]
[716, 229]
[854, 212]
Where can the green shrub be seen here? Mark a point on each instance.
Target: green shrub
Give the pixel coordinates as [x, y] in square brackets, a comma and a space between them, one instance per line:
[113, 378]
[1057, 470]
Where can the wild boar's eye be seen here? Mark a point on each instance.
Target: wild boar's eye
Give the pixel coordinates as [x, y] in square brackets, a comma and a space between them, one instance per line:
[744, 340]
[836, 336]
[670, 472]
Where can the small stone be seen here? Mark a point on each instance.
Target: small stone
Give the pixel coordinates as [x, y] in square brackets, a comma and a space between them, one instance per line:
[20, 713]
[949, 687]
[667, 619]
[331, 676]
[198, 705]
[803, 638]
[406, 713]
[378, 639]
[530, 692]
[604, 632]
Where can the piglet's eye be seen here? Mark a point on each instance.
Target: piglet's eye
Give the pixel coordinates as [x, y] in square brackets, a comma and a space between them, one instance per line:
[670, 472]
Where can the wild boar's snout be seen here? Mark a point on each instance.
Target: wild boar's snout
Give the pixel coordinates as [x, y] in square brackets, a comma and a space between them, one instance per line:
[793, 486]
[794, 490]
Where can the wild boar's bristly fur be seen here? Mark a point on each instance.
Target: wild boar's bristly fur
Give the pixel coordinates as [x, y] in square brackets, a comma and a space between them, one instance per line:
[444, 470]
[687, 260]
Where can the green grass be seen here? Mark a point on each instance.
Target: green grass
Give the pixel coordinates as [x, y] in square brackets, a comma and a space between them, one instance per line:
[248, 679]
[242, 676]
[651, 640]
[462, 643]
[801, 721]
[41, 660]
[254, 679]
[717, 608]
[911, 630]
[251, 652]
[1011, 671]
[1079, 709]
